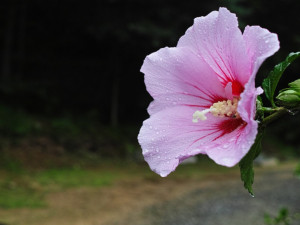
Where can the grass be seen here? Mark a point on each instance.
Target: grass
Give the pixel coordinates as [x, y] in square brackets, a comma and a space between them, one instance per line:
[23, 188]
[68, 178]
[20, 197]
[27, 189]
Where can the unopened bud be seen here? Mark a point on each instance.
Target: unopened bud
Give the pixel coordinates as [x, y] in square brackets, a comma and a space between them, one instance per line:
[289, 97]
[295, 85]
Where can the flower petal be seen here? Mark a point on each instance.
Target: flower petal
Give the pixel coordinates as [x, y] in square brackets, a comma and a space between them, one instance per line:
[237, 143]
[169, 136]
[177, 76]
[261, 44]
[220, 43]
[232, 147]
[247, 104]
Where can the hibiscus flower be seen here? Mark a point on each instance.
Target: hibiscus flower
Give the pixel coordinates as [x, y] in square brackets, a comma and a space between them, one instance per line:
[204, 93]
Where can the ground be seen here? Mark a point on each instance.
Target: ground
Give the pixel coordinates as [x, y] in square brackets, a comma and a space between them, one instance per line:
[214, 198]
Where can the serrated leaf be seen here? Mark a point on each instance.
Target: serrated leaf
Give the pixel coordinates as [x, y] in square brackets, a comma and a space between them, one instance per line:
[246, 164]
[270, 83]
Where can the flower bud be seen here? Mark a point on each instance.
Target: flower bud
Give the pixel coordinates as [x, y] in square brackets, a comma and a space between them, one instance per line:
[290, 96]
[295, 85]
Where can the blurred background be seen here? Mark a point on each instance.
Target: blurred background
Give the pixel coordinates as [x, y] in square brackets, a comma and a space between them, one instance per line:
[72, 98]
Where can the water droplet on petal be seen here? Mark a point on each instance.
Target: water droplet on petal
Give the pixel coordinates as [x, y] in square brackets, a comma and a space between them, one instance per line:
[225, 146]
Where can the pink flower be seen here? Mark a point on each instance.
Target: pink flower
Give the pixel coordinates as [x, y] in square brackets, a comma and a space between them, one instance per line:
[204, 93]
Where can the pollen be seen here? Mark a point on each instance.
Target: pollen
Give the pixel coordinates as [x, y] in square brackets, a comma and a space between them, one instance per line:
[226, 108]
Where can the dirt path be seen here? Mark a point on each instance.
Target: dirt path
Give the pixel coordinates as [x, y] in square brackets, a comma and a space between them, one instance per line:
[224, 202]
[214, 200]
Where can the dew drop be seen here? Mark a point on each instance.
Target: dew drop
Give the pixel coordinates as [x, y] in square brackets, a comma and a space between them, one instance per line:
[252, 195]
[266, 41]
[150, 127]
[226, 146]
[293, 112]
[158, 157]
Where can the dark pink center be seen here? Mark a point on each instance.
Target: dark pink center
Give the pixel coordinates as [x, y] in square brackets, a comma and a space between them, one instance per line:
[237, 88]
[227, 126]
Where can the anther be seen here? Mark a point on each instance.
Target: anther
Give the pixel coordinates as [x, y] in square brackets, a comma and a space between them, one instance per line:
[219, 109]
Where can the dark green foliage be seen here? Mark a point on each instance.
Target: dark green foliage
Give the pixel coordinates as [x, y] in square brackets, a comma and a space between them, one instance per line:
[297, 171]
[281, 219]
[16, 122]
[10, 164]
[246, 164]
[69, 62]
[270, 83]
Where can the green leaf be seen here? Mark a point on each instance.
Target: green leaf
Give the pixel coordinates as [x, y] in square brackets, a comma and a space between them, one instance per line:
[246, 164]
[270, 83]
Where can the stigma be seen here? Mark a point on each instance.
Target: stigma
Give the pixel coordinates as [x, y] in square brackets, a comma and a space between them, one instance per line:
[226, 108]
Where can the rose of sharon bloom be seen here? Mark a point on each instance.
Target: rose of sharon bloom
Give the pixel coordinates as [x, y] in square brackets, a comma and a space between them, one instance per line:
[204, 93]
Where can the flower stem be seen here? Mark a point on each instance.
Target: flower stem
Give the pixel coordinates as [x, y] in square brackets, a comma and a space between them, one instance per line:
[278, 112]
[268, 109]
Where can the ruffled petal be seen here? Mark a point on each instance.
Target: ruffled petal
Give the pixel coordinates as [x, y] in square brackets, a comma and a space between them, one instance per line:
[177, 76]
[247, 104]
[260, 44]
[232, 148]
[219, 41]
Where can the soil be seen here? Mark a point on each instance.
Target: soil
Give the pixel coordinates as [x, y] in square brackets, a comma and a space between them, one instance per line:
[215, 200]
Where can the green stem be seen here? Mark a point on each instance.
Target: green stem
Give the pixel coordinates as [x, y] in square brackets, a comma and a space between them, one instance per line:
[278, 112]
[268, 109]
